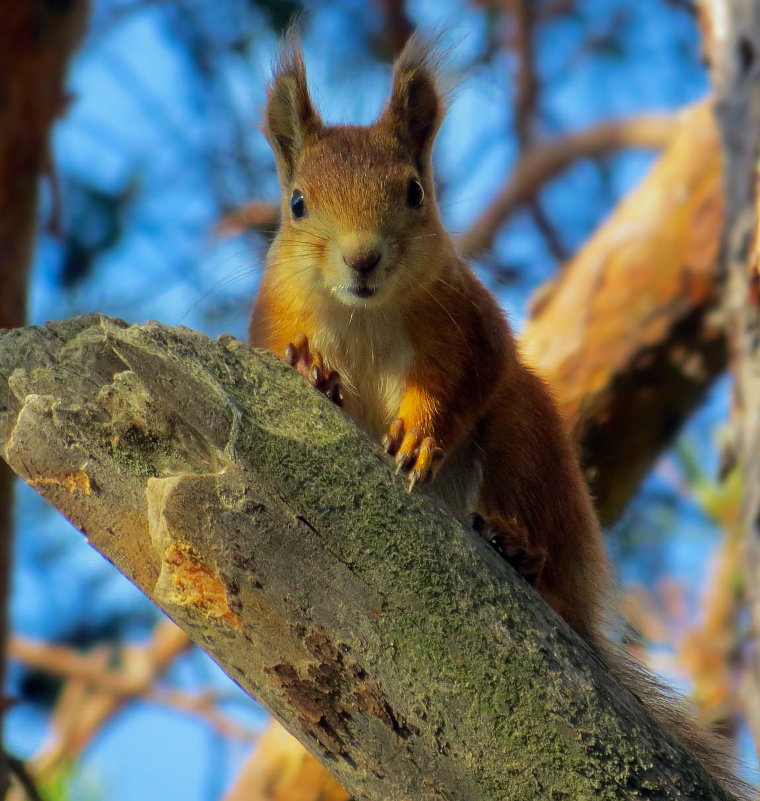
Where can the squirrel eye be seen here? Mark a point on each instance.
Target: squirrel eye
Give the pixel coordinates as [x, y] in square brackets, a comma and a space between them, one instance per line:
[415, 194]
[298, 205]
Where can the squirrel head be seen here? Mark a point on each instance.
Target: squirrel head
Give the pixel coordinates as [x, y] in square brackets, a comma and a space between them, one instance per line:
[359, 219]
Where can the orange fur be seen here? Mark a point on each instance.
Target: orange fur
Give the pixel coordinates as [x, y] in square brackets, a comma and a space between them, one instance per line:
[425, 355]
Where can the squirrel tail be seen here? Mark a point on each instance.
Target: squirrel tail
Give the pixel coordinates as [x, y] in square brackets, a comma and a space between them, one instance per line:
[674, 716]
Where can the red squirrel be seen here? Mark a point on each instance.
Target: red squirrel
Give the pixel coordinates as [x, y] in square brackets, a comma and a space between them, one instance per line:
[365, 295]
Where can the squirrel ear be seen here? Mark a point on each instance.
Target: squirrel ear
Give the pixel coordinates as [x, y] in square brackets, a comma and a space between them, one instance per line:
[416, 107]
[291, 122]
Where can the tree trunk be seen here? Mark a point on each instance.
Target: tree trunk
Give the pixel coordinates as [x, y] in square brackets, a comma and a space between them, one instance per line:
[402, 651]
[734, 27]
[36, 41]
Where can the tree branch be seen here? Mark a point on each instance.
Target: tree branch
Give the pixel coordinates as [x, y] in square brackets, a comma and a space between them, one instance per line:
[134, 679]
[258, 215]
[279, 769]
[630, 335]
[397, 646]
[397, 26]
[542, 162]
[520, 16]
[84, 706]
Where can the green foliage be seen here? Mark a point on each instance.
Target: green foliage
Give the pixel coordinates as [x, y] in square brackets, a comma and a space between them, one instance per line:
[66, 784]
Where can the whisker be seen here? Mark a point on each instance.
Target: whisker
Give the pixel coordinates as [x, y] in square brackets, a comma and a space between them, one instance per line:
[424, 236]
[229, 280]
[450, 316]
[283, 279]
[303, 309]
[449, 285]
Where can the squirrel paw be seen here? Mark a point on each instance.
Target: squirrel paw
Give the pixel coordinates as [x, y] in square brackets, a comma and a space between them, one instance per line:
[416, 455]
[510, 540]
[310, 364]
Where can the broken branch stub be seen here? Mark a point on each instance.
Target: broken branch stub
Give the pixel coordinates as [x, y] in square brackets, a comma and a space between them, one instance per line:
[396, 645]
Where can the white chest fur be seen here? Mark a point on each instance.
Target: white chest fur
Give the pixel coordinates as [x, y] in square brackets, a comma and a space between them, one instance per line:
[373, 355]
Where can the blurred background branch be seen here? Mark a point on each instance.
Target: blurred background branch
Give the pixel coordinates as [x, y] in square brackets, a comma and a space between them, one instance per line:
[93, 692]
[633, 365]
[543, 162]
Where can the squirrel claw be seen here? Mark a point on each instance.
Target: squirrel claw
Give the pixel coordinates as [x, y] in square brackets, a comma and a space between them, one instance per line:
[416, 455]
[415, 477]
[290, 355]
[310, 364]
[404, 460]
[392, 440]
[510, 540]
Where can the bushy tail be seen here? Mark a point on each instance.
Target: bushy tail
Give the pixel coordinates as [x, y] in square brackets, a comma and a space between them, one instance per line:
[674, 716]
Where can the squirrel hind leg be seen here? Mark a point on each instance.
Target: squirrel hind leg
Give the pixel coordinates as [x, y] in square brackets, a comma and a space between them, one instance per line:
[531, 561]
[510, 540]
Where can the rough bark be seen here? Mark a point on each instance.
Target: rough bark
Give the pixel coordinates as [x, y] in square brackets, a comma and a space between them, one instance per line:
[630, 334]
[735, 55]
[389, 639]
[36, 40]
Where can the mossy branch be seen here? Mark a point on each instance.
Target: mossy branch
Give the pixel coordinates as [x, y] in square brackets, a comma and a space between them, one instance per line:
[386, 636]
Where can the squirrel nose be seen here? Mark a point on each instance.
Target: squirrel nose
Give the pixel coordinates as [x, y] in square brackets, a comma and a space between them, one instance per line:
[363, 263]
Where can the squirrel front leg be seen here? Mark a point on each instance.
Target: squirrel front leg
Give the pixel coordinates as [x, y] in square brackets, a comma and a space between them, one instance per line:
[280, 327]
[424, 430]
[310, 364]
[410, 437]
[451, 383]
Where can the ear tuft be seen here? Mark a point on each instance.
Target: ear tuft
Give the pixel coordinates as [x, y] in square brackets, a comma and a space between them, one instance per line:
[291, 121]
[417, 106]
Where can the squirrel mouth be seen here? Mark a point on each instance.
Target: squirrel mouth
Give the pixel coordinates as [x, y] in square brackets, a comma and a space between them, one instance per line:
[356, 289]
[363, 291]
